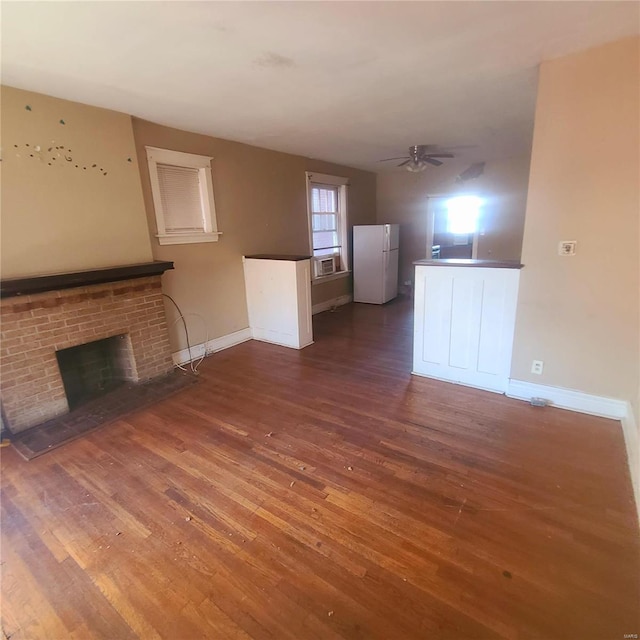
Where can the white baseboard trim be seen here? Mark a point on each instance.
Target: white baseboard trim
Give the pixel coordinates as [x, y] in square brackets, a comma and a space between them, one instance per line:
[288, 340]
[569, 399]
[330, 304]
[632, 444]
[462, 384]
[217, 344]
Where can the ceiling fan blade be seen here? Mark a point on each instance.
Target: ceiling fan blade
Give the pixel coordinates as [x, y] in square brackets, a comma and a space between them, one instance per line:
[433, 161]
[436, 148]
[439, 155]
[459, 146]
[405, 162]
[387, 159]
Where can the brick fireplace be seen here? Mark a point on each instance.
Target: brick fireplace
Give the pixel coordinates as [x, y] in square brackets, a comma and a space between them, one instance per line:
[45, 318]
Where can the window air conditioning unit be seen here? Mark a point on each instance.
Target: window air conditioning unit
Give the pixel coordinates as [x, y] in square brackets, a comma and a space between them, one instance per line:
[325, 266]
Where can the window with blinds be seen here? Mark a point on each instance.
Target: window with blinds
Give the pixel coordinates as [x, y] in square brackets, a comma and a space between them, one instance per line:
[182, 189]
[181, 198]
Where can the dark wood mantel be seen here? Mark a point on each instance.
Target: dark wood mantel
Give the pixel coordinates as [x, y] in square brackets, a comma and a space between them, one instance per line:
[53, 282]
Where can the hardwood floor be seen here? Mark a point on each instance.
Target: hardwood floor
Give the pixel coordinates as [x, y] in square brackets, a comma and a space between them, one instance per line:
[325, 493]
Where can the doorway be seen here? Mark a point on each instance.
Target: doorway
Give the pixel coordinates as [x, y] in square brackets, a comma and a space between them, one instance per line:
[452, 227]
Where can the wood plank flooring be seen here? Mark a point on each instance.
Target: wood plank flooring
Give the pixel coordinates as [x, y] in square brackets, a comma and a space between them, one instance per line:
[325, 493]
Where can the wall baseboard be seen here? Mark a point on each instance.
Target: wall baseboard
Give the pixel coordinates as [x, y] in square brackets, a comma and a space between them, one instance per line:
[632, 443]
[217, 344]
[330, 304]
[288, 340]
[569, 399]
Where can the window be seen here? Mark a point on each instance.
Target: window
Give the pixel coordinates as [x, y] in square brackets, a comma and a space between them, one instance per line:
[327, 204]
[182, 191]
[324, 220]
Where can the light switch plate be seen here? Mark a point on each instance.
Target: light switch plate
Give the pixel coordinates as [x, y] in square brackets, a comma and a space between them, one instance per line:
[567, 248]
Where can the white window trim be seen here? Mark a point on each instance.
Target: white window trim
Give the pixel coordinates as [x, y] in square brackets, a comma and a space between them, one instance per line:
[334, 276]
[210, 233]
[323, 179]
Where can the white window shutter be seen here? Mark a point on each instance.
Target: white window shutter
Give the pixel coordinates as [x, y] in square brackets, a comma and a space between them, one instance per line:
[181, 198]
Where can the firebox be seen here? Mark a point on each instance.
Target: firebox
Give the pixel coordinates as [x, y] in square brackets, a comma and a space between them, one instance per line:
[93, 369]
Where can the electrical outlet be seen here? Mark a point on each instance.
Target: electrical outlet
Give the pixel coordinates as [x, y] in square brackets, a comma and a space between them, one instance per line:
[567, 248]
[537, 366]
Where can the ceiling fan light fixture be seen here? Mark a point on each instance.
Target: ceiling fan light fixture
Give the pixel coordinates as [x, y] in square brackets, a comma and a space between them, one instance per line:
[420, 156]
[416, 166]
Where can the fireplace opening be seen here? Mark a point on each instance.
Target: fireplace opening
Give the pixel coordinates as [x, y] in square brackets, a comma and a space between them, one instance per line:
[93, 369]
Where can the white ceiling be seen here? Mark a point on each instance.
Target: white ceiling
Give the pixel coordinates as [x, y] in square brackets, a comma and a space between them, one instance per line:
[349, 82]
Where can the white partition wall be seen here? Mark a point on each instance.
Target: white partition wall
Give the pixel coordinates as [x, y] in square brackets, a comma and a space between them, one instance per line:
[279, 300]
[464, 323]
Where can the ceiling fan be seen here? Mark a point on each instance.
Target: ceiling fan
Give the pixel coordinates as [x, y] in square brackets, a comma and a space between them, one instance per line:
[420, 155]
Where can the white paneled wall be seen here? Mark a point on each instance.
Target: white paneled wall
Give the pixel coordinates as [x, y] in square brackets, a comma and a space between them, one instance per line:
[464, 320]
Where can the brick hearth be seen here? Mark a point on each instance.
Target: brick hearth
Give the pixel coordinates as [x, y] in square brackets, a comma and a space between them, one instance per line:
[35, 326]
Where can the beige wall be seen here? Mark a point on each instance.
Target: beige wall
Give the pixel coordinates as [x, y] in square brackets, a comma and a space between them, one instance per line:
[402, 198]
[580, 315]
[56, 217]
[261, 207]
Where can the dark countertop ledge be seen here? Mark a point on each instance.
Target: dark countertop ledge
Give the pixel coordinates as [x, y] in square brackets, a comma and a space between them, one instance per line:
[277, 256]
[459, 262]
[56, 281]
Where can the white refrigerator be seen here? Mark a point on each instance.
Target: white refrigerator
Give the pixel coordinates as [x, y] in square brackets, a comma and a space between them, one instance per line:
[375, 262]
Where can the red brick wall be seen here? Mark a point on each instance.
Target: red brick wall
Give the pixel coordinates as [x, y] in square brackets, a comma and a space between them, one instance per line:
[34, 327]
